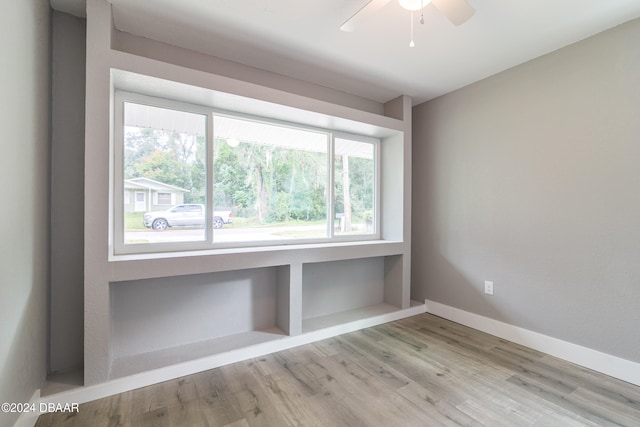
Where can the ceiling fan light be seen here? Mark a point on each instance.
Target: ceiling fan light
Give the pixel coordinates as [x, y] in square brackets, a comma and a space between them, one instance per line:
[414, 4]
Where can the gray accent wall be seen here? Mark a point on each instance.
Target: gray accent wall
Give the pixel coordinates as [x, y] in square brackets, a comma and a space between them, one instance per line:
[531, 179]
[24, 174]
[67, 192]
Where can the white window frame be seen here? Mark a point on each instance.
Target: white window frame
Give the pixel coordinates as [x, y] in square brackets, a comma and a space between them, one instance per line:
[119, 245]
[121, 248]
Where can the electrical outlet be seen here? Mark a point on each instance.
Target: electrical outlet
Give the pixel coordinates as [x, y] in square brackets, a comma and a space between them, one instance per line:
[488, 287]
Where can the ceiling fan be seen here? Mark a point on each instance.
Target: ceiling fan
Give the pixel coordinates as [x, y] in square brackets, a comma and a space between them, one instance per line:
[458, 12]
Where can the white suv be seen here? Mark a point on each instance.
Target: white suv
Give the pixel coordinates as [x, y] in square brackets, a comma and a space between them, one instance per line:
[184, 215]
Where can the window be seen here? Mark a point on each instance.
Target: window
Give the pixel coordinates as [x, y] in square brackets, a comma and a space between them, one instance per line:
[237, 180]
[275, 177]
[160, 148]
[355, 187]
[164, 198]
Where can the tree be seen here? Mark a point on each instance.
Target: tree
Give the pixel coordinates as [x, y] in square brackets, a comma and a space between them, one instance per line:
[278, 182]
[169, 157]
[164, 167]
[138, 144]
[231, 177]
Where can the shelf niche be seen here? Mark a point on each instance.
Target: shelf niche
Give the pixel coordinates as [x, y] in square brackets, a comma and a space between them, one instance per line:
[164, 321]
[339, 292]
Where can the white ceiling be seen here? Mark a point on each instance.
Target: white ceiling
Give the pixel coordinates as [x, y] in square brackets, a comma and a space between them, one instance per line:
[301, 38]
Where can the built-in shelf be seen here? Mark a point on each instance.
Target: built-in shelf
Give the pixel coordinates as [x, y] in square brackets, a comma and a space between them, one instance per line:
[144, 369]
[134, 364]
[343, 317]
[61, 382]
[160, 322]
[153, 317]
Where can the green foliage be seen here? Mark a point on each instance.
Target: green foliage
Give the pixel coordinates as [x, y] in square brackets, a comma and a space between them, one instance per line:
[164, 167]
[168, 157]
[198, 175]
[361, 187]
[138, 144]
[232, 186]
[268, 183]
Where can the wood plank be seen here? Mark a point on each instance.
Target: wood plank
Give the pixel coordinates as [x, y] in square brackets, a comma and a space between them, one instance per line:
[437, 407]
[216, 400]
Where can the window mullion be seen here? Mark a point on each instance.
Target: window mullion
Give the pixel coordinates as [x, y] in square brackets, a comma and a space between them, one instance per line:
[117, 176]
[210, 179]
[331, 214]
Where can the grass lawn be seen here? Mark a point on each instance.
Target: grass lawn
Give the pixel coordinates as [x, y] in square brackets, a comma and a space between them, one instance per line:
[133, 221]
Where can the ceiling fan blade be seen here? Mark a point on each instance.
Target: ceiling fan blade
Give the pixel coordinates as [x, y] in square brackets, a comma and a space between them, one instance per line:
[364, 12]
[458, 11]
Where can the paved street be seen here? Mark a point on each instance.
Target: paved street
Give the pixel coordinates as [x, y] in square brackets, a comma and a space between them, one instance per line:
[225, 234]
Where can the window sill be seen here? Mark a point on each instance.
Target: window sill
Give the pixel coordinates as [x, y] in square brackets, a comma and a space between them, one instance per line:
[167, 264]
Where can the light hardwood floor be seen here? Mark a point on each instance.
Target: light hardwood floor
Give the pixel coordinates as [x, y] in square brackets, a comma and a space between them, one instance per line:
[419, 371]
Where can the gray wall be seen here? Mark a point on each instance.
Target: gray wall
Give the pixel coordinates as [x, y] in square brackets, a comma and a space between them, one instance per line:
[67, 192]
[531, 178]
[24, 173]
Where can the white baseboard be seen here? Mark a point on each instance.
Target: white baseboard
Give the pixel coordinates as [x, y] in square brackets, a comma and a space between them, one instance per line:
[29, 419]
[607, 364]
